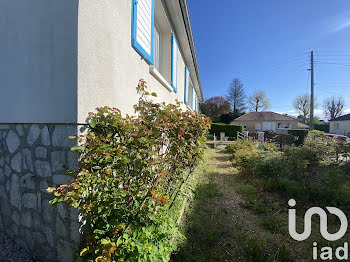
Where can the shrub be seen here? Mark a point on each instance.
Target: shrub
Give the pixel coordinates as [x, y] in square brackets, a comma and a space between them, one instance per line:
[300, 134]
[283, 139]
[268, 147]
[316, 133]
[341, 150]
[133, 169]
[309, 172]
[322, 127]
[227, 118]
[270, 166]
[239, 145]
[230, 130]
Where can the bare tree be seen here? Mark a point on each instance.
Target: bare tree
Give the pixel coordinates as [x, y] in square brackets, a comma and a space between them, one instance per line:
[258, 101]
[333, 106]
[302, 105]
[236, 96]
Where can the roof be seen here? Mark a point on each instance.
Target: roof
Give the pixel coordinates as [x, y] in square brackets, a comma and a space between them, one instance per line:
[342, 118]
[265, 116]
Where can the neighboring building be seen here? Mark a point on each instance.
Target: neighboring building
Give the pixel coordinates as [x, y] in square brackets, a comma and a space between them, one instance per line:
[60, 59]
[340, 125]
[266, 121]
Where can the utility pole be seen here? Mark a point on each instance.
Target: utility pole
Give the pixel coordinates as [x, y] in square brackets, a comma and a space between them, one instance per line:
[312, 92]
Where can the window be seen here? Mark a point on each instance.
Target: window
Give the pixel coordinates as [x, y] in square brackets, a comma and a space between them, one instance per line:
[257, 126]
[157, 48]
[153, 39]
[174, 54]
[143, 28]
[187, 85]
[194, 100]
[337, 126]
[283, 125]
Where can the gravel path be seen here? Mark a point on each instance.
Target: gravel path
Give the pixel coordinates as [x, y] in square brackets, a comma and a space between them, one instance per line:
[11, 252]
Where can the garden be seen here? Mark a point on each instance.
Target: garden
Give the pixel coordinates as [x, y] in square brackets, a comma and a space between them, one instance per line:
[148, 189]
[240, 206]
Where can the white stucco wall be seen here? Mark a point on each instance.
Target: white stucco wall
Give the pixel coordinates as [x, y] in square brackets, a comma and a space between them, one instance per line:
[108, 67]
[344, 127]
[60, 59]
[38, 53]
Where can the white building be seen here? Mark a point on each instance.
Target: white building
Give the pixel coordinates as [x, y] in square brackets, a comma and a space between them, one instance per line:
[60, 59]
[340, 125]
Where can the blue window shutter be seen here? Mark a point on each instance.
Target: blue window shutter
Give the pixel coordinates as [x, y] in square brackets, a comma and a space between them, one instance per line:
[142, 30]
[174, 51]
[187, 85]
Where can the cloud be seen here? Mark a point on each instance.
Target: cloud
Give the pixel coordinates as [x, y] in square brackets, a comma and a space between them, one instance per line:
[320, 113]
[347, 111]
[342, 26]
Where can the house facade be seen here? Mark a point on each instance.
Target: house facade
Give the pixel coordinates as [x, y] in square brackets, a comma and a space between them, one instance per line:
[268, 121]
[340, 125]
[60, 59]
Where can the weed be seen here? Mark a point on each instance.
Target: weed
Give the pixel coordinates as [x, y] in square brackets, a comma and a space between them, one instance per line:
[253, 251]
[272, 224]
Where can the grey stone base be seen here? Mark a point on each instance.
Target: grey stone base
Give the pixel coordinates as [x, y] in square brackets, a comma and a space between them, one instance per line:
[32, 158]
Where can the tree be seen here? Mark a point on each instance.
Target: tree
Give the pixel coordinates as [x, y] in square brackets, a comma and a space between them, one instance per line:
[229, 117]
[215, 106]
[302, 105]
[258, 101]
[333, 106]
[236, 96]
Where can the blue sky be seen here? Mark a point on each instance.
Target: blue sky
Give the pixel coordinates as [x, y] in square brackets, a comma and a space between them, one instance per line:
[267, 44]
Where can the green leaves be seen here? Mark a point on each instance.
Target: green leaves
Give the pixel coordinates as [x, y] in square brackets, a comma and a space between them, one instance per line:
[132, 169]
[92, 123]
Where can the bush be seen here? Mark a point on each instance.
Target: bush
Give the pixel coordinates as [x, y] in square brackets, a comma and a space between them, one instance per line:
[310, 172]
[268, 147]
[316, 133]
[227, 118]
[300, 134]
[240, 145]
[322, 127]
[133, 169]
[230, 130]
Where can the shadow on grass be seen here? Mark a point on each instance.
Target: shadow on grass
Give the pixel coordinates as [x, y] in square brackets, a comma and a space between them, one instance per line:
[204, 226]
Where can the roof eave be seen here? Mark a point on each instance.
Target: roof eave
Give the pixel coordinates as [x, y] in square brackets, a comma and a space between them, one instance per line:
[187, 22]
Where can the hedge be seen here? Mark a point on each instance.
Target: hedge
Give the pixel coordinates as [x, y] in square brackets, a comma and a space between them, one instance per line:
[322, 127]
[230, 130]
[133, 171]
[300, 134]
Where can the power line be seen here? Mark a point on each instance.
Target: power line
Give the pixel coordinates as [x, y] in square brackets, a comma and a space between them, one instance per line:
[329, 63]
[338, 51]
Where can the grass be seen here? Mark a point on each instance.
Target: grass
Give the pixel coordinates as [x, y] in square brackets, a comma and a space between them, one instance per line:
[234, 217]
[228, 220]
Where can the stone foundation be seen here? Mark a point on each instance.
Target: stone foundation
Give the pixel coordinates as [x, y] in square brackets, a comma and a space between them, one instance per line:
[34, 157]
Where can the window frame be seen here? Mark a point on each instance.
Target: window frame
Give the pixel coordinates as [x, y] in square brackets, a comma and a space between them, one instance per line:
[174, 77]
[157, 31]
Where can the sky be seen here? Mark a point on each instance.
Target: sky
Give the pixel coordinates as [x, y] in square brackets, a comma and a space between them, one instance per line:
[267, 45]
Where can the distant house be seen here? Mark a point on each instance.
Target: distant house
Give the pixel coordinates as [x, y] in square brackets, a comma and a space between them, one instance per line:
[340, 125]
[264, 121]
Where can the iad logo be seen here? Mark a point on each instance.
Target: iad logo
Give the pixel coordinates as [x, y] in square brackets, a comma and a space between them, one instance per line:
[326, 252]
[323, 222]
